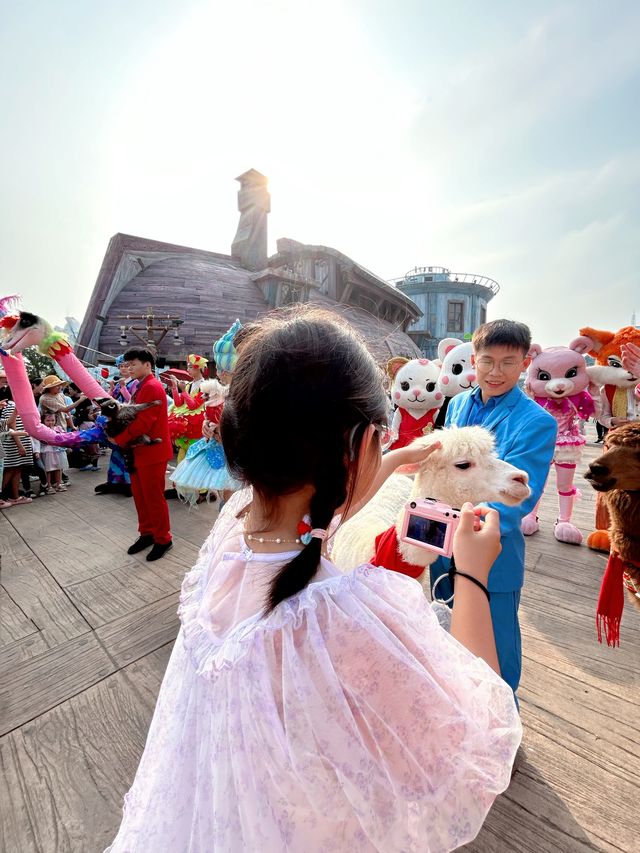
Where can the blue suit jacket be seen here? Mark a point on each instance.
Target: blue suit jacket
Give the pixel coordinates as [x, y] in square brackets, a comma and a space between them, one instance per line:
[525, 437]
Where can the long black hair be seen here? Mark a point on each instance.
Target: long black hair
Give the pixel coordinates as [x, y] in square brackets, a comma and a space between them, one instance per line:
[303, 393]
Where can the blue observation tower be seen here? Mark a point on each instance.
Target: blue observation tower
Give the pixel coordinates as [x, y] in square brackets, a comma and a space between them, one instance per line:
[453, 304]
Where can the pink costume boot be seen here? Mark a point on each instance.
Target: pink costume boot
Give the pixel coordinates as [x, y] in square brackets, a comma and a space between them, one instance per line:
[564, 530]
[530, 523]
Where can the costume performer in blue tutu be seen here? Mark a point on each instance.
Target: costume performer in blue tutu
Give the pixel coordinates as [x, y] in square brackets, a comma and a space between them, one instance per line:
[204, 468]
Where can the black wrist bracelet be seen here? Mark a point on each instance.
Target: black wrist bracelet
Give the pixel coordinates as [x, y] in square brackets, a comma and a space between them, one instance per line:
[453, 572]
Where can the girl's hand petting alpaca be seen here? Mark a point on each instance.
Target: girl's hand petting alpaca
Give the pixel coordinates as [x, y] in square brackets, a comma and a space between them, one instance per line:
[408, 459]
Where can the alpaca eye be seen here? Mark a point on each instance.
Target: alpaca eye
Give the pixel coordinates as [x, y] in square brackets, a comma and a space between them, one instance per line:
[571, 373]
[463, 465]
[404, 386]
[431, 386]
[456, 369]
[544, 376]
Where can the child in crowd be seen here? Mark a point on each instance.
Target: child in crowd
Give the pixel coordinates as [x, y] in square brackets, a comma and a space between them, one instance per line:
[36, 470]
[17, 450]
[53, 400]
[54, 458]
[303, 709]
[91, 451]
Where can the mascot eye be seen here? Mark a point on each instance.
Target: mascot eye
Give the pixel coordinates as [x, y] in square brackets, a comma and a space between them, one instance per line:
[456, 369]
[613, 362]
[431, 386]
[571, 373]
[404, 386]
[544, 376]
[463, 465]
[27, 320]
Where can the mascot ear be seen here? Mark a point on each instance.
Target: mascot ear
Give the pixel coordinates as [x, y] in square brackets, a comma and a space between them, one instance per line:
[598, 338]
[534, 351]
[582, 344]
[394, 365]
[446, 345]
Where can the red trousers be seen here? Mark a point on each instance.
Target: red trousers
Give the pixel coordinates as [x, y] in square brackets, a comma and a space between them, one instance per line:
[147, 485]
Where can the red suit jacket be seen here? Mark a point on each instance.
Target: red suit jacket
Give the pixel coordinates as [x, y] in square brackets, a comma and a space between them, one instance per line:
[153, 422]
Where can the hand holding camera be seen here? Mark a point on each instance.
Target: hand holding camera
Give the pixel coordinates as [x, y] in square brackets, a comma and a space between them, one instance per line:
[476, 543]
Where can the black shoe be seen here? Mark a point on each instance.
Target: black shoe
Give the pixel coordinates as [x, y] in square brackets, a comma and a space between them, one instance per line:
[170, 494]
[140, 544]
[158, 551]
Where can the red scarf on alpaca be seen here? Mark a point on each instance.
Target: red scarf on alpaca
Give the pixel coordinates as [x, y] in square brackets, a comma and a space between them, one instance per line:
[611, 599]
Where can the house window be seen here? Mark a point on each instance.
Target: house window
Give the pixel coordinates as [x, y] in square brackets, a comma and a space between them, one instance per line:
[455, 316]
[483, 314]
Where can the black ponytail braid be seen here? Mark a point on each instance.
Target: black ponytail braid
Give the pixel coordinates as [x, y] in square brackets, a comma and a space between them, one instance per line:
[330, 493]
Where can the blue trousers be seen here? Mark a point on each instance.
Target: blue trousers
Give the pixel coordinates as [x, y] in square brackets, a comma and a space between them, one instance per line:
[506, 627]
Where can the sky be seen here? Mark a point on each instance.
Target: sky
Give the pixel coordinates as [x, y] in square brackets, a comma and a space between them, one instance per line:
[497, 138]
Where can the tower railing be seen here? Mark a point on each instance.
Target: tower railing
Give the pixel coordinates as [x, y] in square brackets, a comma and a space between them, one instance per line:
[442, 274]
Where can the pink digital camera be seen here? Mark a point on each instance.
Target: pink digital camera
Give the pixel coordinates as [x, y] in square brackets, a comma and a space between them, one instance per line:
[430, 524]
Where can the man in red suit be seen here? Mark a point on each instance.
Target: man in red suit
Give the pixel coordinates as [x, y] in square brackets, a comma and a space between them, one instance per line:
[150, 460]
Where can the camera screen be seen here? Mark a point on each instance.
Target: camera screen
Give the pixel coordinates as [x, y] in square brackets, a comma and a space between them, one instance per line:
[427, 530]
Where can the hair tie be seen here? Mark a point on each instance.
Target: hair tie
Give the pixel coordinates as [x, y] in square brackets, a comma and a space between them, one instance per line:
[307, 533]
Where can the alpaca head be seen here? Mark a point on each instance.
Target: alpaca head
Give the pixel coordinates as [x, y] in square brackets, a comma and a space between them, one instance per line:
[619, 465]
[466, 468]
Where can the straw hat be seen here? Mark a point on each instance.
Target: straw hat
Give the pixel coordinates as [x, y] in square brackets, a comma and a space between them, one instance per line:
[52, 381]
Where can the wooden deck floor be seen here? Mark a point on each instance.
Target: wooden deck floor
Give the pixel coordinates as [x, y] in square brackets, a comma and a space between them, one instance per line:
[85, 635]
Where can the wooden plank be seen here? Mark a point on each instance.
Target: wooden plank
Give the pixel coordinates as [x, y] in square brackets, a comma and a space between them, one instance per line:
[33, 589]
[114, 594]
[30, 688]
[25, 649]
[64, 775]
[137, 634]
[72, 550]
[14, 623]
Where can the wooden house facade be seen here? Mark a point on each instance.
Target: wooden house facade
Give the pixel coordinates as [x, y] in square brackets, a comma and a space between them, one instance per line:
[206, 291]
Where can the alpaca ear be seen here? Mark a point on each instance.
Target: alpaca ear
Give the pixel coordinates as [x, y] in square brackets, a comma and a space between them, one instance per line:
[394, 365]
[534, 351]
[598, 337]
[582, 344]
[446, 345]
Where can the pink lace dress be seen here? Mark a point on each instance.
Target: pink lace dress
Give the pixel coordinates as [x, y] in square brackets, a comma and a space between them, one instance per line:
[568, 412]
[345, 720]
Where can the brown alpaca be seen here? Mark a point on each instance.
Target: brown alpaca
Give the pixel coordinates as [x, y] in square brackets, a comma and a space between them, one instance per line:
[616, 475]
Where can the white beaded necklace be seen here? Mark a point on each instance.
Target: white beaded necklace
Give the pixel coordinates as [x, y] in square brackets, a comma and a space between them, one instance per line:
[278, 541]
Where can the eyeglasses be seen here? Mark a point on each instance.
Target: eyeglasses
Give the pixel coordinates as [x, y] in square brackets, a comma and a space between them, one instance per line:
[506, 366]
[385, 433]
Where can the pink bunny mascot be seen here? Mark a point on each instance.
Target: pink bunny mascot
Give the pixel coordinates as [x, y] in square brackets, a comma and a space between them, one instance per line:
[557, 379]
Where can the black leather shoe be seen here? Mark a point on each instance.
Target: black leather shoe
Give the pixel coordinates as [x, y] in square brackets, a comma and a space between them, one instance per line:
[158, 551]
[140, 544]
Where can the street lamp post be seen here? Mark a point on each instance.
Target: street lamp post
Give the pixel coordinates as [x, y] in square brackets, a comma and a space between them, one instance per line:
[156, 327]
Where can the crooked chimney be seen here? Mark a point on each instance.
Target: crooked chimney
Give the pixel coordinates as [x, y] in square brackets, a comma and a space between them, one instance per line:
[249, 246]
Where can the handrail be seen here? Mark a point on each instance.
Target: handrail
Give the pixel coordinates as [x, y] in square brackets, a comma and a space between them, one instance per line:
[453, 278]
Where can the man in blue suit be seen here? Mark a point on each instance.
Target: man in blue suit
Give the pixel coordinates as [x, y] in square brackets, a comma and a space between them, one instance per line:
[525, 437]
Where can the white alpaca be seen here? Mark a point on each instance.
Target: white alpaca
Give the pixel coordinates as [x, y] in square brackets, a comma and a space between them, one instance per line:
[466, 468]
